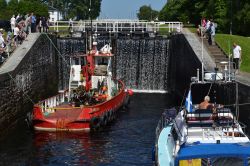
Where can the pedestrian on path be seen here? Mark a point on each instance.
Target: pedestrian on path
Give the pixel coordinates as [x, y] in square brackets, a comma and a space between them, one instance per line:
[13, 23]
[236, 57]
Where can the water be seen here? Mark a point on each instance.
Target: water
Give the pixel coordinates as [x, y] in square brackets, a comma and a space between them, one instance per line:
[143, 63]
[127, 141]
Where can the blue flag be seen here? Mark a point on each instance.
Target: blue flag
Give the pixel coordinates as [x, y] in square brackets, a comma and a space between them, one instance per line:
[188, 102]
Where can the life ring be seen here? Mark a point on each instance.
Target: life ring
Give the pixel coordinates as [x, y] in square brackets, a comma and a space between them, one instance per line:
[95, 123]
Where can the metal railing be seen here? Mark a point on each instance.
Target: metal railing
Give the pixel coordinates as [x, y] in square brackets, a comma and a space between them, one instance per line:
[115, 26]
[54, 101]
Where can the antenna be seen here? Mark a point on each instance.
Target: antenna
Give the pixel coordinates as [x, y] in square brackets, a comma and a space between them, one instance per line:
[91, 24]
[202, 60]
[229, 63]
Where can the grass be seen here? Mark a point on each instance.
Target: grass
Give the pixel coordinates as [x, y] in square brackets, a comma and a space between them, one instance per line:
[164, 30]
[226, 41]
[192, 29]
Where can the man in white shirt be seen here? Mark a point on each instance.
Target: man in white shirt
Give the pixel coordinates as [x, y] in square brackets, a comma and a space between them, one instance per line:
[13, 23]
[236, 56]
[2, 45]
[16, 33]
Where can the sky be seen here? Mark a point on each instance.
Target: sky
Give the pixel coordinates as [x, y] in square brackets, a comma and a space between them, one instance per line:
[127, 9]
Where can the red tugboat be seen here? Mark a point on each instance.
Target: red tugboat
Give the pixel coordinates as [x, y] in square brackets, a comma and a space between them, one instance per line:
[92, 99]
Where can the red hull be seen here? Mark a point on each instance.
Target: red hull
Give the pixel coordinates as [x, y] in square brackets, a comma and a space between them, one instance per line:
[69, 118]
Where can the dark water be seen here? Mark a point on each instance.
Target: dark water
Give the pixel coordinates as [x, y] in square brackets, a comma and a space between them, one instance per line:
[127, 141]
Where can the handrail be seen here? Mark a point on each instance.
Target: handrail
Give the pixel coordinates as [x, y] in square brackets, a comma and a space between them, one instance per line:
[118, 25]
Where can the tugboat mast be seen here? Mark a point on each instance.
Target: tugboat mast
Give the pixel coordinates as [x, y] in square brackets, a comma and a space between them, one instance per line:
[91, 25]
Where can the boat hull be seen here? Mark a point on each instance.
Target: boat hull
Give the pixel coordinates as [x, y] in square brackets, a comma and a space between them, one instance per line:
[85, 118]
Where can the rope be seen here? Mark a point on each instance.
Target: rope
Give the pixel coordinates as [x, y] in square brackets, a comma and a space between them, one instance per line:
[209, 89]
[237, 102]
[27, 96]
[183, 97]
[68, 65]
[242, 104]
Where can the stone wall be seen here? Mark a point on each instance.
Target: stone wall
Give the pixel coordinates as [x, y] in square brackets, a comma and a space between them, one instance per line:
[33, 78]
[183, 65]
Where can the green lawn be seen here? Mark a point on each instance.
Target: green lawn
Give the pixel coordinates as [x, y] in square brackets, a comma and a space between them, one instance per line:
[192, 29]
[226, 41]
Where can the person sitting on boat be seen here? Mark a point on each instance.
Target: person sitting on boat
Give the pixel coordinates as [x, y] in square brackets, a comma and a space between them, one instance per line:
[205, 104]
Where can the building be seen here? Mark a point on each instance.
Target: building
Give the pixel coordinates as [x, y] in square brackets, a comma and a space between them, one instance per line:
[54, 14]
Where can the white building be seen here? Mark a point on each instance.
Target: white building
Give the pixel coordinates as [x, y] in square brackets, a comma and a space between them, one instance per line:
[54, 14]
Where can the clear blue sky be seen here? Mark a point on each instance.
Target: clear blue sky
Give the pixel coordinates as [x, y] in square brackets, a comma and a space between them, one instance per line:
[127, 9]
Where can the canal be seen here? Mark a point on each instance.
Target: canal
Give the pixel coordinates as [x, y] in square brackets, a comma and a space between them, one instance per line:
[126, 141]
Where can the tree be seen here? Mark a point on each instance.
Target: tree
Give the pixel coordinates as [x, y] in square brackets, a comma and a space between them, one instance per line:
[147, 13]
[221, 11]
[80, 9]
[3, 6]
[13, 6]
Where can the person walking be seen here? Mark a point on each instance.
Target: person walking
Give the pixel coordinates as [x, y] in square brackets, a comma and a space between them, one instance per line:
[44, 24]
[236, 57]
[13, 23]
[212, 33]
[33, 23]
[70, 29]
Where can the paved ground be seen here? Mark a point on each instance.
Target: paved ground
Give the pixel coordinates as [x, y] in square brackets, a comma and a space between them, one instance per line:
[16, 57]
[209, 59]
[196, 44]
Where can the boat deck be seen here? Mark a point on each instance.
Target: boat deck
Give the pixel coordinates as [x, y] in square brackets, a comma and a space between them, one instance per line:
[211, 135]
[64, 111]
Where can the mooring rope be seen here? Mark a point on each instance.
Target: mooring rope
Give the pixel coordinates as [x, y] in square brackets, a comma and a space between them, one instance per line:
[68, 65]
[27, 96]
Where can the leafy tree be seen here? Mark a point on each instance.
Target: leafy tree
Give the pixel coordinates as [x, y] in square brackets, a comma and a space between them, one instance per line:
[3, 6]
[13, 6]
[147, 13]
[80, 9]
[28, 6]
[223, 12]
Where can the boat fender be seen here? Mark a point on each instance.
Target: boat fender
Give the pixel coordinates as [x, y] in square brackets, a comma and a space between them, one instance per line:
[105, 120]
[109, 113]
[130, 92]
[113, 115]
[95, 122]
[177, 148]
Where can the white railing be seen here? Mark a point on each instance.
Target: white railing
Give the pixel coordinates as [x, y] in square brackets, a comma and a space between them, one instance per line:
[116, 26]
[54, 101]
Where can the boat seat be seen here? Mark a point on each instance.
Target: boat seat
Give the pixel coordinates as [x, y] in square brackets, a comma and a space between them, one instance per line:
[225, 121]
[201, 124]
[199, 115]
[223, 110]
[200, 118]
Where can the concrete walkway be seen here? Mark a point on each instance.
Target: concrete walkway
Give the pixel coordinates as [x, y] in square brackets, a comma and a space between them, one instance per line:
[16, 57]
[196, 45]
[209, 61]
